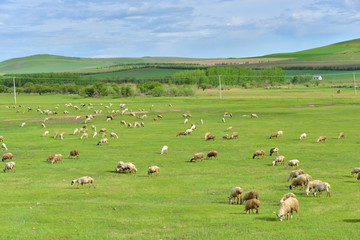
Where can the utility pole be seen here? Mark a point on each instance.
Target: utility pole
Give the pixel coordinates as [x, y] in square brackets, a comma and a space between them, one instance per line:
[354, 84]
[14, 90]
[220, 84]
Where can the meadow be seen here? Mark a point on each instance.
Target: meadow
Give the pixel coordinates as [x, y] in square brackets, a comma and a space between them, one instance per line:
[187, 200]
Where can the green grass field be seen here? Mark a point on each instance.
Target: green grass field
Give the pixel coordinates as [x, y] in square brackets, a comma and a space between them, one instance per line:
[187, 200]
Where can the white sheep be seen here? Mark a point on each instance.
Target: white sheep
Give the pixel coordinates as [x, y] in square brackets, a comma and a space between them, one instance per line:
[164, 149]
[274, 150]
[295, 173]
[186, 121]
[95, 133]
[321, 138]
[320, 187]
[253, 115]
[188, 131]
[311, 185]
[3, 146]
[193, 127]
[43, 125]
[23, 124]
[286, 196]
[236, 192]
[288, 206]
[278, 159]
[84, 135]
[84, 180]
[293, 163]
[303, 136]
[9, 166]
[112, 134]
[62, 135]
[102, 141]
[76, 131]
[223, 120]
[280, 133]
[93, 127]
[201, 121]
[153, 169]
[46, 133]
[1, 138]
[355, 171]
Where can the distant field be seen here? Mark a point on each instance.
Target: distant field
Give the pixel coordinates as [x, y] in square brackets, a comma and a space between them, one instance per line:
[139, 73]
[187, 200]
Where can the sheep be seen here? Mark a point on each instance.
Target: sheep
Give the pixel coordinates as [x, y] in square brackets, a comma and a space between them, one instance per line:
[212, 154]
[164, 149]
[136, 124]
[286, 196]
[249, 195]
[274, 135]
[197, 156]
[206, 135]
[358, 177]
[155, 119]
[354, 171]
[324, 186]
[93, 127]
[293, 163]
[341, 135]
[74, 153]
[234, 135]
[253, 115]
[226, 136]
[23, 124]
[142, 124]
[230, 128]
[95, 133]
[223, 120]
[193, 127]
[102, 130]
[76, 131]
[252, 204]
[103, 135]
[180, 133]
[311, 185]
[298, 181]
[62, 135]
[236, 192]
[3, 146]
[77, 117]
[66, 112]
[112, 134]
[84, 135]
[57, 158]
[108, 119]
[307, 177]
[201, 121]
[132, 114]
[104, 140]
[50, 157]
[129, 125]
[43, 125]
[153, 169]
[303, 136]
[131, 167]
[9, 166]
[259, 153]
[321, 138]
[274, 150]
[280, 133]
[288, 206]
[211, 137]
[1, 138]
[7, 156]
[186, 121]
[159, 116]
[188, 131]
[295, 173]
[46, 133]
[84, 180]
[278, 159]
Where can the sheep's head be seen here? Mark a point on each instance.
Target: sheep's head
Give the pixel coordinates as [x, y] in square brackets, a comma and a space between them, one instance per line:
[72, 182]
[314, 193]
[273, 163]
[280, 217]
[307, 192]
[290, 187]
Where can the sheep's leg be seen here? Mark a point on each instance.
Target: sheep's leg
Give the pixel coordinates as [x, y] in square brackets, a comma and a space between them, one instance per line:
[257, 211]
[328, 193]
[291, 215]
[252, 211]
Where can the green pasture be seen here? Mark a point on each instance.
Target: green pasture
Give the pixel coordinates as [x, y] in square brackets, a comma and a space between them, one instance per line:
[187, 200]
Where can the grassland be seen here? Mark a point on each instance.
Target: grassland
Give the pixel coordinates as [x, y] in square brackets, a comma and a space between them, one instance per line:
[187, 200]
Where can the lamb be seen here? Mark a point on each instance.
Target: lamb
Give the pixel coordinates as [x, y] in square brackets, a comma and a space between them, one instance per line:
[303, 136]
[295, 173]
[211, 137]
[286, 196]
[142, 124]
[274, 150]
[180, 133]
[104, 140]
[321, 138]
[57, 158]
[23, 124]
[43, 125]
[84, 180]
[324, 186]
[7, 156]
[226, 136]
[278, 159]
[74, 153]
[236, 192]
[288, 206]
[9, 166]
[311, 185]
[112, 134]
[212, 154]
[253, 115]
[234, 135]
[164, 149]
[293, 163]
[252, 204]
[298, 181]
[206, 135]
[3, 146]
[354, 171]
[259, 153]
[308, 178]
[250, 195]
[76, 131]
[46, 133]
[153, 169]
[341, 135]
[197, 156]
[84, 135]
[274, 135]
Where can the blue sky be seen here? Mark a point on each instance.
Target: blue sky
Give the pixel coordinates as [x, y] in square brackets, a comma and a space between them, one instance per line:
[181, 28]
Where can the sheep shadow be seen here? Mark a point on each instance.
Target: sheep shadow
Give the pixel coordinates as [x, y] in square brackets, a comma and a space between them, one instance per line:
[351, 220]
[268, 219]
[222, 202]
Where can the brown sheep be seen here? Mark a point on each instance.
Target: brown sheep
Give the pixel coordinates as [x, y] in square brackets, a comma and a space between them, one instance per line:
[274, 150]
[74, 153]
[234, 135]
[226, 136]
[159, 116]
[321, 138]
[57, 158]
[250, 195]
[7, 156]
[274, 135]
[259, 153]
[212, 154]
[341, 135]
[153, 169]
[102, 130]
[211, 137]
[252, 204]
[50, 157]
[197, 156]
[180, 133]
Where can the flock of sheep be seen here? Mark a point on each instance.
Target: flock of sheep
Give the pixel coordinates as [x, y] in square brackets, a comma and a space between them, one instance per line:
[288, 202]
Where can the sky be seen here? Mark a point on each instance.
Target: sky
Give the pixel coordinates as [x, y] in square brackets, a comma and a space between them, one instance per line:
[173, 28]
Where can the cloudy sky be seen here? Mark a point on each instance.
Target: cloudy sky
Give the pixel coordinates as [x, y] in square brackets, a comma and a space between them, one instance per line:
[181, 28]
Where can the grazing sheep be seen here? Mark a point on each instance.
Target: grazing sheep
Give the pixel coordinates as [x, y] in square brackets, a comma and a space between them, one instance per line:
[211, 137]
[280, 133]
[142, 124]
[136, 124]
[274, 135]
[102, 141]
[197, 156]
[84, 180]
[7, 156]
[293, 163]
[46, 133]
[164, 149]
[307, 177]
[84, 135]
[286, 196]
[274, 150]
[129, 125]
[102, 130]
[159, 116]
[321, 138]
[180, 133]
[9, 166]
[298, 181]
[212, 154]
[226, 136]
[93, 127]
[103, 135]
[234, 135]
[236, 192]
[131, 167]
[193, 127]
[250, 195]
[95, 133]
[57, 158]
[186, 121]
[252, 204]
[358, 177]
[50, 157]
[62, 135]
[341, 135]
[23, 124]
[206, 135]
[66, 112]
[223, 120]
[259, 153]
[155, 119]
[153, 169]
[295, 173]
[1, 138]
[188, 131]
[354, 171]
[288, 206]
[230, 128]
[311, 185]
[74, 153]
[320, 187]
[253, 115]
[76, 131]
[112, 134]
[278, 159]
[3, 146]
[303, 136]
